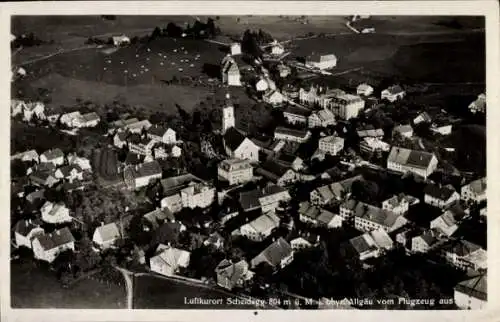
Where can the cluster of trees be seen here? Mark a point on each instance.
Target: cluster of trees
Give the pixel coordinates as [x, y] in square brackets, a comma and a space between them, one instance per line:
[106, 163]
[252, 41]
[29, 40]
[199, 30]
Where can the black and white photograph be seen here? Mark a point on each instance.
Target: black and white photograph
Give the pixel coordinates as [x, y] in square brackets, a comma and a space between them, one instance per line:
[248, 162]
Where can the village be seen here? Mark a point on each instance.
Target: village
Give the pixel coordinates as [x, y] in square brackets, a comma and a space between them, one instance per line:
[344, 193]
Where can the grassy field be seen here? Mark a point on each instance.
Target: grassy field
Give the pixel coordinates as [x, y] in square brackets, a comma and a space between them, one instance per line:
[35, 288]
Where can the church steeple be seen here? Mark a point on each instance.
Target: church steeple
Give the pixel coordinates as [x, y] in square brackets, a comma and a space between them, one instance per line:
[228, 120]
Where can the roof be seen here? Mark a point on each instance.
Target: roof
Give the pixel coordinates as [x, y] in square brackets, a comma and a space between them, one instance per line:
[53, 154]
[478, 186]
[475, 287]
[394, 89]
[89, 117]
[24, 227]
[272, 169]
[234, 164]
[173, 257]
[326, 216]
[291, 109]
[308, 210]
[381, 238]
[233, 272]
[439, 192]
[108, 232]
[461, 247]
[332, 139]
[148, 169]
[429, 237]
[173, 185]
[363, 243]
[233, 138]
[375, 214]
[265, 222]
[292, 132]
[364, 86]
[413, 158]
[370, 133]
[403, 128]
[250, 199]
[66, 170]
[277, 251]
[158, 130]
[321, 58]
[32, 154]
[35, 195]
[55, 239]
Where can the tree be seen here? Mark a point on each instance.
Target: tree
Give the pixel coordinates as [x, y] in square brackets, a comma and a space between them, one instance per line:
[86, 259]
[18, 168]
[249, 45]
[156, 33]
[365, 190]
[211, 28]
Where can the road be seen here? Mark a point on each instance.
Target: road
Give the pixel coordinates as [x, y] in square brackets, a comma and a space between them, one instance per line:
[129, 284]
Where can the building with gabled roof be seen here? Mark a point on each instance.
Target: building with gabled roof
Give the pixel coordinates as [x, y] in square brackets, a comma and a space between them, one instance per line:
[471, 294]
[235, 171]
[367, 217]
[47, 247]
[55, 213]
[54, 156]
[405, 130]
[26, 156]
[233, 275]
[393, 93]
[440, 196]
[157, 217]
[364, 89]
[448, 222]
[230, 72]
[371, 244]
[314, 215]
[267, 198]
[474, 191]
[405, 160]
[239, 146]
[332, 144]
[333, 192]
[162, 134]
[426, 241]
[321, 118]
[322, 62]
[278, 255]
[169, 260]
[105, 236]
[478, 105]
[260, 228]
[296, 114]
[277, 173]
[25, 231]
[289, 134]
[398, 204]
[462, 254]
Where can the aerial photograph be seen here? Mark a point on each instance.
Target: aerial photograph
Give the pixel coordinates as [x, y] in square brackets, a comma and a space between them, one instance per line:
[248, 162]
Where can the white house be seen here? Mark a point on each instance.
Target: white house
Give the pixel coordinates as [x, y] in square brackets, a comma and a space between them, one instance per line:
[33, 109]
[169, 260]
[440, 196]
[47, 247]
[260, 228]
[235, 48]
[240, 147]
[345, 106]
[371, 244]
[235, 171]
[371, 144]
[479, 105]
[121, 40]
[87, 120]
[230, 72]
[406, 131]
[176, 152]
[292, 135]
[162, 135]
[26, 156]
[316, 216]
[474, 191]
[55, 213]
[447, 223]
[261, 85]
[25, 231]
[443, 129]
[16, 107]
[296, 115]
[368, 218]
[105, 236]
[398, 204]
[278, 255]
[393, 93]
[331, 144]
[68, 119]
[423, 243]
[364, 89]
[69, 172]
[471, 294]
[82, 162]
[277, 49]
[321, 61]
[273, 97]
[321, 118]
[145, 173]
[405, 160]
[54, 156]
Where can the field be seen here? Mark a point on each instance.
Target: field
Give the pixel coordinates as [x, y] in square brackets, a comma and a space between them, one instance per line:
[35, 288]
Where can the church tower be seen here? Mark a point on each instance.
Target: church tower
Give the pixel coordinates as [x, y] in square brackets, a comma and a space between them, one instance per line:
[228, 120]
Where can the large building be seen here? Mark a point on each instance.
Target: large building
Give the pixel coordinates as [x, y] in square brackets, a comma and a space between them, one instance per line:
[331, 144]
[292, 135]
[321, 61]
[321, 118]
[230, 72]
[405, 160]
[186, 191]
[240, 147]
[368, 217]
[346, 106]
[235, 171]
[260, 228]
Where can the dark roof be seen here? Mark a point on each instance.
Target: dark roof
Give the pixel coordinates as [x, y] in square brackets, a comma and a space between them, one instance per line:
[56, 238]
[460, 247]
[53, 154]
[66, 170]
[173, 185]
[439, 192]
[419, 158]
[157, 130]
[272, 167]
[297, 110]
[249, 200]
[290, 131]
[233, 138]
[395, 89]
[167, 232]
[148, 169]
[278, 250]
[133, 158]
[360, 244]
[158, 216]
[36, 195]
[24, 227]
[287, 157]
[476, 287]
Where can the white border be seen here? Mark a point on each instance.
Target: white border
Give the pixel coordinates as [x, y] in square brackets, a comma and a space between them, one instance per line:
[478, 7]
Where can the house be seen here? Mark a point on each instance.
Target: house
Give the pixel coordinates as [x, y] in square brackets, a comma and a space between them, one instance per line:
[273, 97]
[370, 132]
[321, 61]
[277, 173]
[278, 255]
[186, 191]
[471, 294]
[175, 152]
[440, 196]
[405, 160]
[292, 135]
[290, 161]
[235, 171]
[367, 217]
[284, 70]
[162, 135]
[296, 115]
[333, 192]
[37, 195]
[260, 228]
[372, 145]
[87, 120]
[240, 147]
[479, 105]
[230, 72]
[331, 144]
[47, 247]
[69, 119]
[268, 198]
[393, 93]
[321, 118]
[141, 175]
[154, 219]
[25, 231]
[26, 156]
[316, 216]
[81, 162]
[304, 242]
[121, 40]
[371, 244]
[464, 255]
[54, 156]
[233, 275]
[43, 178]
[214, 240]
[235, 48]
[441, 129]
[120, 139]
[277, 49]
[424, 242]
[69, 173]
[474, 191]
[398, 204]
[364, 89]
[448, 222]
[345, 106]
[105, 236]
[16, 107]
[261, 85]
[136, 126]
[169, 260]
[55, 213]
[31, 109]
[405, 131]
[423, 117]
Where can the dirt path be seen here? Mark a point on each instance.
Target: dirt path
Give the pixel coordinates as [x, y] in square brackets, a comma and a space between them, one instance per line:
[129, 286]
